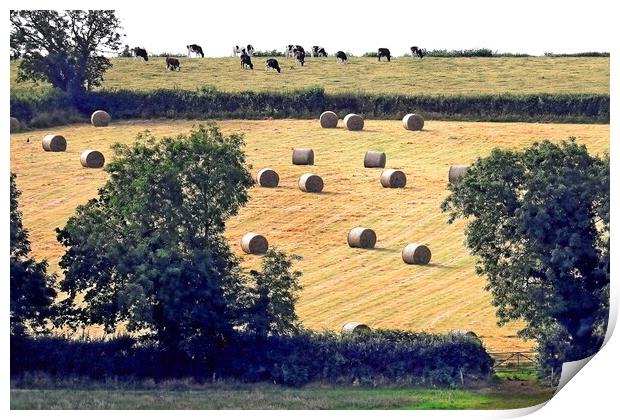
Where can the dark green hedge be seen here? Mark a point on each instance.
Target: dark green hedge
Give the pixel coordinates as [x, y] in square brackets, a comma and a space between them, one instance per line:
[381, 357]
[52, 108]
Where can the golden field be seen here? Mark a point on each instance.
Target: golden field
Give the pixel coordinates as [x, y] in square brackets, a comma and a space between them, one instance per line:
[403, 75]
[340, 284]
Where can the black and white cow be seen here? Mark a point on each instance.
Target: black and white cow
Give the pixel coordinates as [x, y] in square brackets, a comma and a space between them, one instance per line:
[300, 57]
[173, 64]
[318, 51]
[384, 52]
[196, 49]
[246, 61]
[290, 50]
[250, 50]
[341, 56]
[140, 52]
[418, 51]
[236, 50]
[272, 64]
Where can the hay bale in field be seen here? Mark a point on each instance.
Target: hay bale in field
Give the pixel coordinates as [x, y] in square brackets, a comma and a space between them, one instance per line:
[361, 237]
[463, 332]
[267, 177]
[92, 159]
[253, 243]
[413, 122]
[328, 119]
[54, 143]
[393, 178]
[374, 159]
[456, 172]
[303, 157]
[100, 119]
[416, 254]
[354, 122]
[310, 183]
[15, 125]
[355, 328]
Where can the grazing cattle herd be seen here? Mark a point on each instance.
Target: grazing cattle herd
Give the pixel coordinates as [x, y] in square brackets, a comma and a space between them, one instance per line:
[296, 52]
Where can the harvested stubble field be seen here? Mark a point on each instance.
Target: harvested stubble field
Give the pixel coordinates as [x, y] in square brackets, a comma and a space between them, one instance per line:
[341, 284]
[402, 76]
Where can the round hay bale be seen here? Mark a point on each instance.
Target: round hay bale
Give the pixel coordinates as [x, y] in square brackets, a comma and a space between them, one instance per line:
[310, 183]
[328, 119]
[463, 332]
[393, 178]
[355, 328]
[354, 122]
[374, 159]
[413, 122]
[100, 119]
[267, 177]
[456, 172]
[15, 125]
[54, 143]
[253, 243]
[303, 157]
[416, 254]
[92, 159]
[361, 237]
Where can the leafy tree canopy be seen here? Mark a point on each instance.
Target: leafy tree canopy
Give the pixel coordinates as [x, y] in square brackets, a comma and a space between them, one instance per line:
[539, 224]
[64, 48]
[149, 251]
[32, 289]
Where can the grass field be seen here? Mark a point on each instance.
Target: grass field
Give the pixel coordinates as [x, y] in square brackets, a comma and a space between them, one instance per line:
[404, 75]
[341, 284]
[507, 395]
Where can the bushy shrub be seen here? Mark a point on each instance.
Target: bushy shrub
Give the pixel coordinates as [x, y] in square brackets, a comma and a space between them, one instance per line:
[268, 53]
[309, 103]
[581, 54]
[376, 358]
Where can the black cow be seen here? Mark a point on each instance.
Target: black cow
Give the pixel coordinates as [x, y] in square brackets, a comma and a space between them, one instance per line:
[272, 64]
[300, 56]
[140, 52]
[384, 52]
[341, 56]
[250, 50]
[196, 49]
[417, 51]
[246, 61]
[173, 64]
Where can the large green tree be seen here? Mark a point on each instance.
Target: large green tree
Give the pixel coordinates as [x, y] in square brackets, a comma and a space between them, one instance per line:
[539, 224]
[273, 295]
[32, 289]
[64, 48]
[149, 252]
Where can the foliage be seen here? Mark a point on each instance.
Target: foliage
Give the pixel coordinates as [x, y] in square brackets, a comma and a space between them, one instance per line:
[31, 107]
[273, 296]
[64, 48]
[581, 54]
[539, 224]
[149, 250]
[377, 358]
[268, 53]
[32, 289]
[127, 52]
